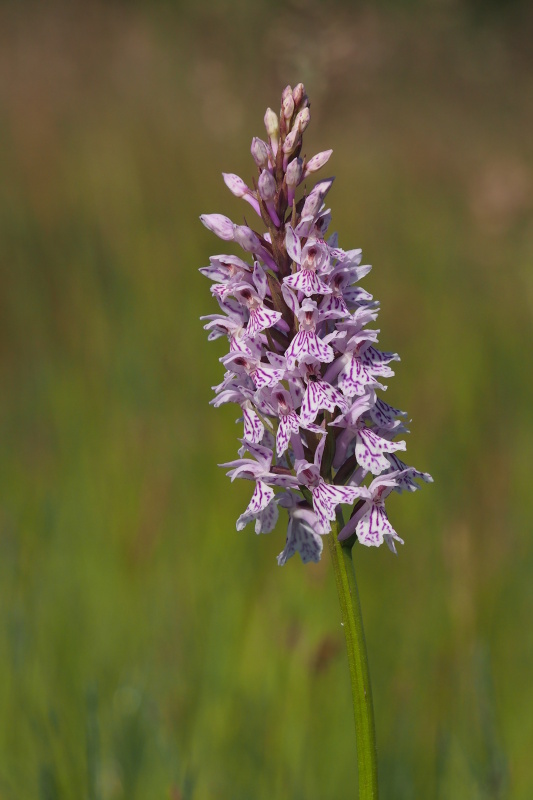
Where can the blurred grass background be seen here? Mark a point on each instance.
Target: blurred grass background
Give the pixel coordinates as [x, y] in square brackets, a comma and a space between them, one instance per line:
[148, 650]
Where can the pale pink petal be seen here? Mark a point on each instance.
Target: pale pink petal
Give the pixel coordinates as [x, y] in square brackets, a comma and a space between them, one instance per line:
[290, 299]
[292, 242]
[370, 450]
[311, 403]
[261, 497]
[354, 378]
[265, 376]
[253, 427]
[308, 282]
[374, 526]
[260, 280]
[261, 318]
[288, 424]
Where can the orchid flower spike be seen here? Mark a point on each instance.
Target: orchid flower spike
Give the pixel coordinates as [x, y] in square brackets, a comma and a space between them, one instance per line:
[303, 367]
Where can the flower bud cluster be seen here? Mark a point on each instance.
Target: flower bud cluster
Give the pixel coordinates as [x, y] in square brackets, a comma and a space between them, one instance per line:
[303, 364]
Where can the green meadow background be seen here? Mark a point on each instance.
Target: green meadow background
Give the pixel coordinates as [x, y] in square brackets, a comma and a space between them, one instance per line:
[147, 649]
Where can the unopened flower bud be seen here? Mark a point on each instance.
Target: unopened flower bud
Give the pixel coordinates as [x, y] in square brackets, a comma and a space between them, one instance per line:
[235, 184]
[291, 141]
[267, 189]
[288, 107]
[247, 239]
[317, 162]
[267, 186]
[220, 225]
[298, 94]
[259, 150]
[272, 128]
[286, 93]
[303, 118]
[294, 172]
[238, 187]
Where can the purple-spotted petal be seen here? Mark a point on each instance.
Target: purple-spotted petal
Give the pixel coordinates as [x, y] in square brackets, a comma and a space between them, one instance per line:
[260, 280]
[307, 343]
[327, 497]
[320, 395]
[288, 424]
[374, 526]
[253, 427]
[308, 282]
[265, 515]
[370, 451]
[260, 319]
[261, 497]
[266, 376]
[355, 378]
[383, 414]
[333, 307]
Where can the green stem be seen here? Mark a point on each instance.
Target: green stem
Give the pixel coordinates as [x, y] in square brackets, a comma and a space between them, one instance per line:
[352, 621]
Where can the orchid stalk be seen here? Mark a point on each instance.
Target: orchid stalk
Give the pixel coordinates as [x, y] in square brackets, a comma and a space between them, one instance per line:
[303, 365]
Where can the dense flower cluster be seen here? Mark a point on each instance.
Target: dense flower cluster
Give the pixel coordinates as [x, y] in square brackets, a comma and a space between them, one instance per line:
[302, 363]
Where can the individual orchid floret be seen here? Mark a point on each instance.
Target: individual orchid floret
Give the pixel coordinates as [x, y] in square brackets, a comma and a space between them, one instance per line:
[341, 291]
[261, 374]
[235, 329]
[370, 449]
[289, 422]
[226, 271]
[232, 322]
[326, 496]
[304, 366]
[370, 522]
[258, 467]
[260, 316]
[357, 374]
[319, 395]
[313, 258]
[306, 343]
